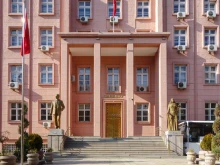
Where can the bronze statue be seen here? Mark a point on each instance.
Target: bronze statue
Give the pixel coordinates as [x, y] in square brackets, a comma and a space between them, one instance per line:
[56, 108]
[172, 115]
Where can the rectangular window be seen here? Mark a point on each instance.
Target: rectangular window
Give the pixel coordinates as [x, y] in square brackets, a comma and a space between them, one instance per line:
[142, 79]
[15, 109]
[16, 73]
[179, 6]
[182, 111]
[209, 111]
[84, 9]
[113, 79]
[84, 80]
[46, 37]
[110, 9]
[46, 74]
[142, 112]
[210, 38]
[84, 112]
[16, 37]
[179, 37]
[45, 111]
[143, 9]
[210, 75]
[16, 6]
[180, 73]
[46, 6]
[209, 5]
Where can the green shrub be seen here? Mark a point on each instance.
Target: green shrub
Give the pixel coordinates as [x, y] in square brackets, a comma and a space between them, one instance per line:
[206, 142]
[216, 151]
[216, 141]
[35, 141]
[216, 126]
[217, 111]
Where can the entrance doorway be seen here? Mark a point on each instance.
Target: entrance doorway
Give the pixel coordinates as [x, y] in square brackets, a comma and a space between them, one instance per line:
[113, 120]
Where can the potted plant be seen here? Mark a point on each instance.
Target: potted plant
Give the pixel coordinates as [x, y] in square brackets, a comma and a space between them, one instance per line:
[7, 158]
[206, 145]
[32, 157]
[36, 142]
[48, 155]
[191, 156]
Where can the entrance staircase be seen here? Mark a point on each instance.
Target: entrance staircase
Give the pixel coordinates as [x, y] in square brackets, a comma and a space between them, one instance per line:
[133, 147]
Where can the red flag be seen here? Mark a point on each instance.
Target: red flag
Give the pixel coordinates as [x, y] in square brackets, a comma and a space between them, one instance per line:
[114, 7]
[25, 46]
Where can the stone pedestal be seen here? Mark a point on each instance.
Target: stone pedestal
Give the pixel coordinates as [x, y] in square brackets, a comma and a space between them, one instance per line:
[174, 141]
[55, 138]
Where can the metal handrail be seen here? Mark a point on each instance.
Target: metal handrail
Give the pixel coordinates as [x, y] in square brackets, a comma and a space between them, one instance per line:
[64, 139]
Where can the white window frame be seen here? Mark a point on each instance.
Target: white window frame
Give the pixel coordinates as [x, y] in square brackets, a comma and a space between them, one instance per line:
[183, 108]
[210, 72]
[208, 3]
[180, 71]
[142, 8]
[17, 36]
[48, 35]
[85, 84]
[85, 108]
[49, 6]
[17, 109]
[118, 8]
[47, 108]
[140, 108]
[16, 74]
[210, 111]
[113, 87]
[84, 7]
[18, 5]
[208, 34]
[47, 72]
[141, 75]
[179, 35]
[179, 3]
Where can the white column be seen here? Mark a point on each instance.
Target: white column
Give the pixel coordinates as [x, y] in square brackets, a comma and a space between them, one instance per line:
[97, 85]
[130, 90]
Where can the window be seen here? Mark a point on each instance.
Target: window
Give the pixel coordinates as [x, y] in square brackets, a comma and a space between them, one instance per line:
[113, 79]
[143, 9]
[16, 73]
[182, 111]
[210, 75]
[142, 112]
[84, 79]
[46, 6]
[46, 37]
[84, 112]
[45, 111]
[110, 8]
[46, 74]
[179, 6]
[15, 109]
[209, 5]
[16, 6]
[179, 37]
[84, 8]
[142, 79]
[16, 37]
[210, 36]
[180, 73]
[209, 111]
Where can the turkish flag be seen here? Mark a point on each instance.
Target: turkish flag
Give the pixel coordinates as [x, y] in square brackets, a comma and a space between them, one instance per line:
[25, 47]
[114, 7]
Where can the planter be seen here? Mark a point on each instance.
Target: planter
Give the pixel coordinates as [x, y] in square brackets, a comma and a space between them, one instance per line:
[209, 159]
[8, 160]
[191, 157]
[33, 159]
[48, 157]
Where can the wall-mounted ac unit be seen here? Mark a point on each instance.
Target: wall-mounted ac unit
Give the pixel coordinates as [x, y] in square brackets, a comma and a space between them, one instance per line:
[13, 85]
[142, 89]
[181, 47]
[83, 19]
[181, 85]
[47, 124]
[210, 14]
[114, 19]
[44, 48]
[180, 15]
[212, 48]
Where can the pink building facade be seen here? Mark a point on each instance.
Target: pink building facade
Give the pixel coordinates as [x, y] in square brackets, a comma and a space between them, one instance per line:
[113, 84]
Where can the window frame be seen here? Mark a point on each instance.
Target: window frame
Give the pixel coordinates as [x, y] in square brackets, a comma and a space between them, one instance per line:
[46, 13]
[148, 113]
[47, 109]
[90, 79]
[118, 7]
[142, 74]
[174, 71]
[179, 3]
[17, 72]
[216, 28]
[16, 28]
[11, 9]
[84, 110]
[17, 113]
[184, 109]
[84, 7]
[113, 74]
[210, 109]
[39, 74]
[216, 7]
[53, 36]
[209, 72]
[143, 7]
[180, 27]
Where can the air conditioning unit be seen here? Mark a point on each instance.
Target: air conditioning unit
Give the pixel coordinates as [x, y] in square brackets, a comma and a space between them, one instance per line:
[210, 14]
[143, 89]
[84, 19]
[181, 85]
[13, 85]
[181, 15]
[44, 48]
[114, 19]
[181, 47]
[212, 48]
[47, 124]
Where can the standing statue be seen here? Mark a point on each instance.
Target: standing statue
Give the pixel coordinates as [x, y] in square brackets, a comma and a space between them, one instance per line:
[56, 108]
[172, 115]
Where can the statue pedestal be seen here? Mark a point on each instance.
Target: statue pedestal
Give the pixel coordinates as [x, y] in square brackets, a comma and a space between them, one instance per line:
[55, 138]
[174, 141]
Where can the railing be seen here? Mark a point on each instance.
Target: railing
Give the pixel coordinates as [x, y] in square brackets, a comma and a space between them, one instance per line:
[64, 139]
